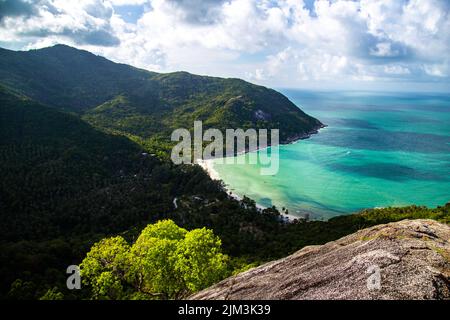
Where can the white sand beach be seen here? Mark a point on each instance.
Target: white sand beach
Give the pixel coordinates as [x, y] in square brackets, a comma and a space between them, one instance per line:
[208, 166]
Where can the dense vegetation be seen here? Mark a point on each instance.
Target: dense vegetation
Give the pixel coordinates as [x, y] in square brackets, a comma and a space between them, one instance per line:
[165, 262]
[83, 157]
[67, 184]
[60, 176]
[146, 104]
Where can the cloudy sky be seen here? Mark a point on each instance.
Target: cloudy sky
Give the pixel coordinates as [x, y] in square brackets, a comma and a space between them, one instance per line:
[357, 44]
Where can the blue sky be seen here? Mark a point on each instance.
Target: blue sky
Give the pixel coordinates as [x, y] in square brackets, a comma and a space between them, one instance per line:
[335, 44]
[130, 13]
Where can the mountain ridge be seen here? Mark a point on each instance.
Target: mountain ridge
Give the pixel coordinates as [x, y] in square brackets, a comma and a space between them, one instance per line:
[79, 81]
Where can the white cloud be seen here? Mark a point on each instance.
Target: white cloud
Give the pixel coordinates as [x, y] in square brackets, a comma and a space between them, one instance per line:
[437, 70]
[275, 42]
[396, 70]
[384, 49]
[128, 2]
[82, 22]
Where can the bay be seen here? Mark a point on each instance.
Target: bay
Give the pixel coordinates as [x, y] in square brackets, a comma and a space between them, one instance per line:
[379, 150]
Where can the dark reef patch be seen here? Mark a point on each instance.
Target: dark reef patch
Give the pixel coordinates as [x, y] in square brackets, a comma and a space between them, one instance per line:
[382, 140]
[387, 171]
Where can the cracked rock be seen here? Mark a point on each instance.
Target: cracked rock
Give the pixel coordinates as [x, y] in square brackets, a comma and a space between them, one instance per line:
[403, 260]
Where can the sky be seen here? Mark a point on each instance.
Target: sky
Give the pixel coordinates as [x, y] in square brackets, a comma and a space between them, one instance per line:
[399, 45]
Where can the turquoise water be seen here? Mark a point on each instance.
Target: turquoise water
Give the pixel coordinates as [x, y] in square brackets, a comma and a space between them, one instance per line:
[378, 150]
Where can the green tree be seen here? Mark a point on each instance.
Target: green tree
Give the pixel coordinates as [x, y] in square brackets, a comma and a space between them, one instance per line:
[153, 269]
[22, 290]
[108, 286]
[105, 266]
[52, 294]
[165, 262]
[199, 259]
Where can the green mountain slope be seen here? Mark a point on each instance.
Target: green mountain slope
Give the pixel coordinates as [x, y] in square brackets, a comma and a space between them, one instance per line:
[62, 176]
[66, 77]
[66, 185]
[71, 175]
[142, 103]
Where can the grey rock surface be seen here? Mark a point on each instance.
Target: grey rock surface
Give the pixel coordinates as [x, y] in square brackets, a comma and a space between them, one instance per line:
[411, 257]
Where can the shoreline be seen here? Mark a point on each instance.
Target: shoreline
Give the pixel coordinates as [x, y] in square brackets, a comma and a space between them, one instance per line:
[208, 166]
[290, 140]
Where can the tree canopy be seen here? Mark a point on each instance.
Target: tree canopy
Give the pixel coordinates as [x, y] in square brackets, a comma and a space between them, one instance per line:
[165, 262]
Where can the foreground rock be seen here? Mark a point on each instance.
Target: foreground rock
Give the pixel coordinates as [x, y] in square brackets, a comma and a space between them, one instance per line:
[411, 257]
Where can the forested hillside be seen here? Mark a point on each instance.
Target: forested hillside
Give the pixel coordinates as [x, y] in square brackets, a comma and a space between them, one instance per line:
[147, 104]
[83, 148]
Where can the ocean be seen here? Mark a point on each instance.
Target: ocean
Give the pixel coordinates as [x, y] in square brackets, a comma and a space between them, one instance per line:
[379, 150]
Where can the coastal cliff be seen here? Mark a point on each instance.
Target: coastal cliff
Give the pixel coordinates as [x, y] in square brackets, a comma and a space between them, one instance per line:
[412, 258]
